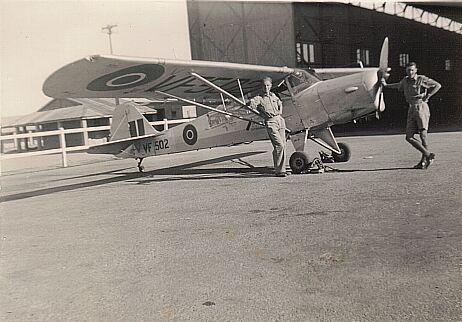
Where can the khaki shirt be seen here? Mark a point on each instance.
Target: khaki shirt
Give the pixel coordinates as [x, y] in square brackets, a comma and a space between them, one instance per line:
[268, 105]
[415, 88]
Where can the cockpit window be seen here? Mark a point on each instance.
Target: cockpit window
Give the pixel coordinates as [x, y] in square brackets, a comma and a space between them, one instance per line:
[301, 80]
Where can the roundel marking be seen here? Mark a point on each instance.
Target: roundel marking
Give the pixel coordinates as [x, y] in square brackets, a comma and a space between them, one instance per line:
[190, 134]
[124, 80]
[127, 78]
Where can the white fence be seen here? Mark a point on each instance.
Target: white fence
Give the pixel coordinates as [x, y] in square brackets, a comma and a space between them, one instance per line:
[63, 149]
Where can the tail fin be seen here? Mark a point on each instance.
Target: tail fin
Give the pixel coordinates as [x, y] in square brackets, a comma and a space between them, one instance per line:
[127, 122]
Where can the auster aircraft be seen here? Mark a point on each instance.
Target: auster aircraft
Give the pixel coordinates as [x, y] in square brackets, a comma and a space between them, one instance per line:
[310, 105]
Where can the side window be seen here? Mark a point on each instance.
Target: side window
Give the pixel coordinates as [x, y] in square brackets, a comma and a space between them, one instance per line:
[403, 59]
[447, 64]
[362, 55]
[305, 53]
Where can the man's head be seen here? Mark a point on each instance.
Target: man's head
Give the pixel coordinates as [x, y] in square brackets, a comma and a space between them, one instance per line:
[411, 70]
[267, 84]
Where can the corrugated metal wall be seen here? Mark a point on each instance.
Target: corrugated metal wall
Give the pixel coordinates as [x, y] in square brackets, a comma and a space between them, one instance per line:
[242, 32]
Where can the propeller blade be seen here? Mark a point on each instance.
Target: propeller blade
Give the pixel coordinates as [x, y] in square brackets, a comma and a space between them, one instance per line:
[382, 73]
[379, 102]
[383, 64]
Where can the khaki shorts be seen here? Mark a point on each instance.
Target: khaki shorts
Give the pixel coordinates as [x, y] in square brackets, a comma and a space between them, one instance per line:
[418, 116]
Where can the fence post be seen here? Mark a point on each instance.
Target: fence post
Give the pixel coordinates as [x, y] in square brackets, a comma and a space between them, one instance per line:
[62, 143]
[165, 124]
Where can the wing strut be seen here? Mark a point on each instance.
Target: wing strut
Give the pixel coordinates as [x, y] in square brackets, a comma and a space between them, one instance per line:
[223, 101]
[209, 108]
[240, 88]
[221, 90]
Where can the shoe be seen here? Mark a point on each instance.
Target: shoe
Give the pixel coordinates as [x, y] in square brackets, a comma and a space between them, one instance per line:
[420, 165]
[429, 159]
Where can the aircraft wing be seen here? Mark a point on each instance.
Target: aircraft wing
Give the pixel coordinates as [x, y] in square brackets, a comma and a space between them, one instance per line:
[118, 76]
[329, 73]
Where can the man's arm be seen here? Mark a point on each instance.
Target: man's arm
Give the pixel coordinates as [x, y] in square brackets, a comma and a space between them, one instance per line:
[255, 106]
[434, 87]
[254, 102]
[393, 85]
[280, 105]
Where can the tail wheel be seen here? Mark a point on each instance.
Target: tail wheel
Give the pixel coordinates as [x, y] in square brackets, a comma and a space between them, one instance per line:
[299, 162]
[344, 155]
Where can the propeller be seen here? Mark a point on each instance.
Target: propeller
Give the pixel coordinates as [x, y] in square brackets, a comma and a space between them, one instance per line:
[382, 73]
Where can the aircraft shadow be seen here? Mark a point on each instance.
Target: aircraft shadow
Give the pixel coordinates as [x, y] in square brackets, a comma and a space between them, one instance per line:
[208, 174]
[184, 169]
[176, 173]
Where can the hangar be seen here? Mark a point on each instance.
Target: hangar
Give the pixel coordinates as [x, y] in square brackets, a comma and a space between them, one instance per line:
[322, 35]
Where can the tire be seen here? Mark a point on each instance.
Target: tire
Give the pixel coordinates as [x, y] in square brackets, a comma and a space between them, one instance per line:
[345, 154]
[299, 162]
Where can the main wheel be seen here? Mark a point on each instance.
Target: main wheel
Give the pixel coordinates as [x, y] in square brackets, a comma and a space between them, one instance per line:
[345, 154]
[299, 161]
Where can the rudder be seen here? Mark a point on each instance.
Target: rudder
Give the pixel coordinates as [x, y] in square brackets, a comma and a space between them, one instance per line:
[128, 122]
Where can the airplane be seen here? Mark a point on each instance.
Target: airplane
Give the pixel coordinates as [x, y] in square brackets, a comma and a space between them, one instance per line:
[311, 105]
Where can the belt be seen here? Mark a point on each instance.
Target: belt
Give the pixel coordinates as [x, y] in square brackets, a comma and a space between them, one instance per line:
[419, 102]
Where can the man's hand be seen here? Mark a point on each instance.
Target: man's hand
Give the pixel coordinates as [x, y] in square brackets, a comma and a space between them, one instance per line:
[383, 82]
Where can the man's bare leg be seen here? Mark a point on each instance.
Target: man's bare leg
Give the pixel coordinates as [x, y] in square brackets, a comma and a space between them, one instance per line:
[423, 139]
[416, 144]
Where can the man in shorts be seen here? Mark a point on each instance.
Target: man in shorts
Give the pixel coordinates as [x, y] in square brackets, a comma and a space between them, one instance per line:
[417, 91]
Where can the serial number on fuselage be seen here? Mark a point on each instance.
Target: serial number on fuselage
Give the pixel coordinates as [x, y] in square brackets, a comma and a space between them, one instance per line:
[151, 146]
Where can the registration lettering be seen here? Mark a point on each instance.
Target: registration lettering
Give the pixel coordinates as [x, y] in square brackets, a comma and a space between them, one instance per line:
[147, 147]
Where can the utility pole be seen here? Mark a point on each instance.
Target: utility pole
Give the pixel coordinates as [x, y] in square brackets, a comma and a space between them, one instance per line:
[108, 30]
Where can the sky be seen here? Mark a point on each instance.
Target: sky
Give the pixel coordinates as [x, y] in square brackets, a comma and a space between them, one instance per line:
[39, 37]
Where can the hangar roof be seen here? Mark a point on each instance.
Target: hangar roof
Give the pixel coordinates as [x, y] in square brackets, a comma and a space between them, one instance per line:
[426, 12]
[448, 9]
[70, 109]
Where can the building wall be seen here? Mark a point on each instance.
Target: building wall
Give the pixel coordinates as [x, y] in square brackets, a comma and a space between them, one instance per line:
[242, 32]
[268, 33]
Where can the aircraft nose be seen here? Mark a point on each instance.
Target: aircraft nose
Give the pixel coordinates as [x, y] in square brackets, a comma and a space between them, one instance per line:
[370, 80]
[373, 87]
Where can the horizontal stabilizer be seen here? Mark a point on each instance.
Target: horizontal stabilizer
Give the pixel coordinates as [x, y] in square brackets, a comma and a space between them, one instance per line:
[116, 147]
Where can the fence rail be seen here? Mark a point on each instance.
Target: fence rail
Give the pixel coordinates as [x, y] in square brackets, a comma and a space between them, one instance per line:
[61, 132]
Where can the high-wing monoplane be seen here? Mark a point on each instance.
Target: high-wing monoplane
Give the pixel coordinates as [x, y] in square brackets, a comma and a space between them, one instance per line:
[310, 105]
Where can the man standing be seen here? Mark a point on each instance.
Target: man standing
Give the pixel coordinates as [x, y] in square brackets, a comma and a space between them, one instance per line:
[270, 107]
[415, 91]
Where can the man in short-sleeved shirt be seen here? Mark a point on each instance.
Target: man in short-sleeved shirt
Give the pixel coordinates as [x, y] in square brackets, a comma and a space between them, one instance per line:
[417, 91]
[270, 108]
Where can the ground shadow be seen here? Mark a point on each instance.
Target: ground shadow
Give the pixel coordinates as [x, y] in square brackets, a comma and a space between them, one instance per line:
[183, 172]
[184, 169]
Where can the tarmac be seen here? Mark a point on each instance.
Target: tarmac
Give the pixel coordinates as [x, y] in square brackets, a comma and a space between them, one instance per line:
[211, 235]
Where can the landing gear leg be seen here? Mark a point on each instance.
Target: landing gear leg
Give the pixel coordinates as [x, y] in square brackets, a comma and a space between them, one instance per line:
[140, 167]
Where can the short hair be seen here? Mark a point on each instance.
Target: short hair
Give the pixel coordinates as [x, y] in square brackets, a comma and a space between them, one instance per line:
[267, 79]
[411, 64]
